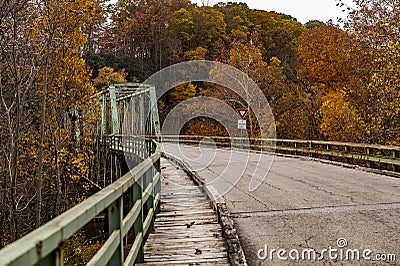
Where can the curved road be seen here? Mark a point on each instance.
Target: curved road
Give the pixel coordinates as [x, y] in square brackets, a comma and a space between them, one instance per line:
[305, 212]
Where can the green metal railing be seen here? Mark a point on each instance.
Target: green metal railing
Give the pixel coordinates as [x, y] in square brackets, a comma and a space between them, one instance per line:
[373, 156]
[139, 189]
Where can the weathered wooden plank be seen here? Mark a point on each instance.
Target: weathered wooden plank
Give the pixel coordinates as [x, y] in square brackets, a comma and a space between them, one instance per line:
[188, 213]
[188, 257]
[188, 240]
[184, 249]
[181, 219]
[189, 202]
[217, 262]
[171, 207]
[177, 199]
[187, 229]
[182, 229]
[185, 237]
[182, 246]
[179, 222]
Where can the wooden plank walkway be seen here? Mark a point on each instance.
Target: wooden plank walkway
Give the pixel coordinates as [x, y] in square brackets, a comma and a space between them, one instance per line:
[186, 230]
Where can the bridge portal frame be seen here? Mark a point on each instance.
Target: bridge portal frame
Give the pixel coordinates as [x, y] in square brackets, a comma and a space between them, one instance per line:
[125, 101]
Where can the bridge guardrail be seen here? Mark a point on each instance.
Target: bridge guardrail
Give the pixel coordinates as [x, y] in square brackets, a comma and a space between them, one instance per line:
[142, 185]
[373, 156]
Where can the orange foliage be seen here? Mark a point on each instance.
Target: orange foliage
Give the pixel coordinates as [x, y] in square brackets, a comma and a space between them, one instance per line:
[340, 120]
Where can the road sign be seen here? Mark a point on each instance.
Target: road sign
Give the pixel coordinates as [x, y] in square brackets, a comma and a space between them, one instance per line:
[242, 112]
[241, 124]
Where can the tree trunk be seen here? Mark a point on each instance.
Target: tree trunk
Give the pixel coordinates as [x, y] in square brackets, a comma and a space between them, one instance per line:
[3, 209]
[41, 144]
[58, 171]
[14, 162]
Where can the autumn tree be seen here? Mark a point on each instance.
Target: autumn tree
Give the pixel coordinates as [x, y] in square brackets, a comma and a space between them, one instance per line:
[297, 113]
[325, 61]
[279, 35]
[327, 67]
[236, 16]
[312, 24]
[245, 54]
[68, 95]
[108, 76]
[374, 28]
[200, 27]
[46, 109]
[183, 28]
[340, 119]
[141, 29]
[19, 66]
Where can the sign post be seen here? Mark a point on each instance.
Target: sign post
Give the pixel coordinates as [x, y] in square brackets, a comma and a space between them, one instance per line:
[242, 122]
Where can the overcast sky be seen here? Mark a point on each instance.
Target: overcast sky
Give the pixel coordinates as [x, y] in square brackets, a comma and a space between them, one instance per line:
[302, 10]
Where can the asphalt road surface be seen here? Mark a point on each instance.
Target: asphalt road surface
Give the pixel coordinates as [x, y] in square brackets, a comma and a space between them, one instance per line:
[305, 212]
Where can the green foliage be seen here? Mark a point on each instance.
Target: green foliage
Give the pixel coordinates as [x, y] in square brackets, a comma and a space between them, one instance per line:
[118, 61]
[183, 25]
[210, 30]
[236, 16]
[312, 24]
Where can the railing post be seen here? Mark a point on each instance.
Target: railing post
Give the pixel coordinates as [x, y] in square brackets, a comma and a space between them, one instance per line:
[150, 200]
[370, 151]
[142, 121]
[396, 155]
[106, 159]
[157, 187]
[347, 150]
[117, 167]
[134, 149]
[148, 144]
[54, 258]
[114, 223]
[112, 160]
[154, 113]
[328, 148]
[137, 191]
[311, 147]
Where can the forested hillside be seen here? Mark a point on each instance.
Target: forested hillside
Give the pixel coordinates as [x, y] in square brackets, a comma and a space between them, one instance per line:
[322, 81]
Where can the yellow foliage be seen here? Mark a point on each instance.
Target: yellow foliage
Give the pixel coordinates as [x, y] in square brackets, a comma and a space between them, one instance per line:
[79, 249]
[108, 76]
[340, 120]
[198, 54]
[71, 113]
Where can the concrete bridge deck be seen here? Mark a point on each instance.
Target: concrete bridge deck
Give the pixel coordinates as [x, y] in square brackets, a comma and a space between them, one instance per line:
[305, 204]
